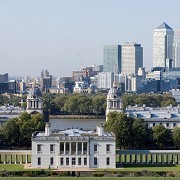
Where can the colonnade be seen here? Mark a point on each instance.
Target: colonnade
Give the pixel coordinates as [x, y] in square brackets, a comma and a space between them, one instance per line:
[148, 157]
[74, 148]
[15, 156]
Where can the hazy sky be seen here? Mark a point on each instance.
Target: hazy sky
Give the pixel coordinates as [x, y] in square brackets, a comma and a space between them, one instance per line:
[65, 35]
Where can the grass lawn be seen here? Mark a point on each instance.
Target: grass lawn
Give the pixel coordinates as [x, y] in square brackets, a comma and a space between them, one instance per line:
[90, 178]
[11, 167]
[152, 167]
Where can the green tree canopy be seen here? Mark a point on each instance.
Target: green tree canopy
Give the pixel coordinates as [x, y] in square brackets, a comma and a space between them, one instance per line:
[176, 136]
[161, 136]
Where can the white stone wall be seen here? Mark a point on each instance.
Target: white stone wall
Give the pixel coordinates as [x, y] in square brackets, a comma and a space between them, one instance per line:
[102, 155]
[45, 154]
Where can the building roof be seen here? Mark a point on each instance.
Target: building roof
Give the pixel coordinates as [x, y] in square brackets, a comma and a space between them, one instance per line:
[114, 92]
[69, 134]
[164, 26]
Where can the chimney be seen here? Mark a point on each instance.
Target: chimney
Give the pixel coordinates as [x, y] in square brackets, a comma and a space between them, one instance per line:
[47, 129]
[100, 130]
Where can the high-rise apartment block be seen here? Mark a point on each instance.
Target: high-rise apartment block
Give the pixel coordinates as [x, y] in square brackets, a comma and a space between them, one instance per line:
[162, 45]
[112, 58]
[131, 58]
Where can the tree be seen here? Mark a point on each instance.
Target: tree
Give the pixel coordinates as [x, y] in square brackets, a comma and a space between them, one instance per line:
[161, 136]
[121, 126]
[98, 104]
[176, 136]
[18, 131]
[11, 132]
[142, 136]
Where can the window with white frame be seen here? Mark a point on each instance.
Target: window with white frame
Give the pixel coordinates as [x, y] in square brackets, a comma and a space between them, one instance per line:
[39, 161]
[51, 161]
[39, 148]
[95, 161]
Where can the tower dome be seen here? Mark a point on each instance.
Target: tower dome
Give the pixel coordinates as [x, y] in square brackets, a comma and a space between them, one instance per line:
[34, 101]
[114, 92]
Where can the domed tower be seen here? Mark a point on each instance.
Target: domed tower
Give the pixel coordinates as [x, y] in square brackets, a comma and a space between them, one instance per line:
[114, 102]
[34, 101]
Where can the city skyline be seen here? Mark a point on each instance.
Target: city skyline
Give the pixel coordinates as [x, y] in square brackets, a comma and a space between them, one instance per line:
[63, 36]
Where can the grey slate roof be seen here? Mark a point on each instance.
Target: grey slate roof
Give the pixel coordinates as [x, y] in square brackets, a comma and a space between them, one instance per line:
[164, 26]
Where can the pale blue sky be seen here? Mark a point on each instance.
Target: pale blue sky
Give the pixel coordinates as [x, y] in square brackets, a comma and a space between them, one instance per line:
[36, 34]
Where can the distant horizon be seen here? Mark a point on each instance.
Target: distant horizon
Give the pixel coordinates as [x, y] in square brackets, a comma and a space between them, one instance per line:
[63, 36]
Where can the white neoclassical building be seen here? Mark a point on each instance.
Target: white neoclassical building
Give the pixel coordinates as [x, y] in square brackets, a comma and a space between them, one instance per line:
[34, 101]
[169, 117]
[114, 102]
[73, 148]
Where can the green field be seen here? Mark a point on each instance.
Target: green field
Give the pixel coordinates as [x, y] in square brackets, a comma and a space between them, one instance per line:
[141, 167]
[90, 178]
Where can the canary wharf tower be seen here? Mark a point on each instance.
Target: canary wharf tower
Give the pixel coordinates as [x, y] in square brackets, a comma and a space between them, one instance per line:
[162, 45]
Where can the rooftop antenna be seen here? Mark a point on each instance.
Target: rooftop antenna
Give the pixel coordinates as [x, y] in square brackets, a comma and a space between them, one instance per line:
[81, 61]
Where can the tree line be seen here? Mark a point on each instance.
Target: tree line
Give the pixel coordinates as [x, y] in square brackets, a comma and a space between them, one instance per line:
[18, 131]
[88, 104]
[133, 133]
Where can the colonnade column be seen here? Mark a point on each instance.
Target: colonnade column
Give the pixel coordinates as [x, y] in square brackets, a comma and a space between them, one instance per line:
[135, 158]
[64, 147]
[162, 158]
[10, 158]
[130, 158]
[120, 158]
[76, 147]
[82, 148]
[4, 158]
[141, 158]
[20, 159]
[26, 158]
[70, 148]
[15, 159]
[177, 159]
[125, 158]
[146, 158]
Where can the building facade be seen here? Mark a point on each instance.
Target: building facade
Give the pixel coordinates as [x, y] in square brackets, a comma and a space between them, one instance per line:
[112, 58]
[114, 102]
[131, 58]
[73, 148]
[105, 80]
[162, 45]
[34, 101]
[176, 49]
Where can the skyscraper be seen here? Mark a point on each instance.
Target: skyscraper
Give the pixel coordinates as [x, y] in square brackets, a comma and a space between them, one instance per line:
[176, 54]
[131, 57]
[112, 58]
[162, 45]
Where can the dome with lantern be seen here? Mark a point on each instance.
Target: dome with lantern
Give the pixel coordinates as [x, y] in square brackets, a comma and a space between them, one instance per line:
[114, 92]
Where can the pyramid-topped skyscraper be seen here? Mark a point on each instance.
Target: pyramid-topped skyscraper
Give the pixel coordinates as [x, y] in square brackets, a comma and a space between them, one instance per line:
[162, 45]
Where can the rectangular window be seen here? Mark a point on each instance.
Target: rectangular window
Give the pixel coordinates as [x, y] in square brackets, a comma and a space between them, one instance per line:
[62, 161]
[107, 147]
[95, 161]
[39, 148]
[154, 124]
[51, 161]
[174, 124]
[73, 161]
[160, 123]
[61, 147]
[51, 148]
[95, 148]
[39, 161]
[107, 161]
[79, 161]
[67, 161]
[167, 124]
[85, 161]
